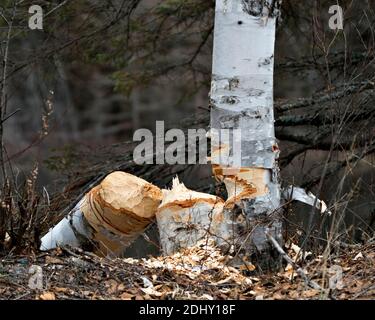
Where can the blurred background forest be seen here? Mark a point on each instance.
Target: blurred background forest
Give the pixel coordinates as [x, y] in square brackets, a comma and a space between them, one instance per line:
[74, 93]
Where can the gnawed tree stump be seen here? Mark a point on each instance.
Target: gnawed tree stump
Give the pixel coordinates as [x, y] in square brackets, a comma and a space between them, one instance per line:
[109, 217]
[248, 206]
[184, 217]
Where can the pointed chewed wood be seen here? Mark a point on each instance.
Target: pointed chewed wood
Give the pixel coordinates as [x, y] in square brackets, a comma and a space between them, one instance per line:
[184, 217]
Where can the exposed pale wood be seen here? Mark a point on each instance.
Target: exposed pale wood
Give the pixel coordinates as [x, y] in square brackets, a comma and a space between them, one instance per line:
[185, 217]
[110, 216]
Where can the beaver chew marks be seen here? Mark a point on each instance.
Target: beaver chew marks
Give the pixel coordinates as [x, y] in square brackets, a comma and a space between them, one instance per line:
[184, 217]
[243, 183]
[119, 209]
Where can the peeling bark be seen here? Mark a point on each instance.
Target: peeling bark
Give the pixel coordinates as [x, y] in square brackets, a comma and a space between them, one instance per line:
[109, 217]
[242, 99]
[292, 193]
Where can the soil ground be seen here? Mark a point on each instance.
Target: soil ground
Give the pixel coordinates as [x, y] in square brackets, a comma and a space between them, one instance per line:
[197, 273]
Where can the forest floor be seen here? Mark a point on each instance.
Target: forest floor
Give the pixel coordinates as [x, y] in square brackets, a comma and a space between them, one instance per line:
[196, 273]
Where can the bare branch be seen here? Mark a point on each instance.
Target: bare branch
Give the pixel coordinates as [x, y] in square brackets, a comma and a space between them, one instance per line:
[296, 267]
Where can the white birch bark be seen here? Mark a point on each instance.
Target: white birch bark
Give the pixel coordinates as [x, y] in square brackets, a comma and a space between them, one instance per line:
[67, 231]
[242, 99]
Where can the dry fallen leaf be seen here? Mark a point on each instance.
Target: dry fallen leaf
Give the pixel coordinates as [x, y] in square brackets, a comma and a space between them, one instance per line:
[226, 280]
[195, 262]
[289, 273]
[358, 256]
[130, 260]
[294, 295]
[310, 293]
[277, 296]
[151, 292]
[112, 286]
[247, 267]
[47, 296]
[147, 283]
[121, 287]
[207, 297]
[297, 256]
[52, 260]
[126, 296]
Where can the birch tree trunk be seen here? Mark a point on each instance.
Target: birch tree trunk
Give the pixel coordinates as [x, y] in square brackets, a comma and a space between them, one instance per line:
[242, 101]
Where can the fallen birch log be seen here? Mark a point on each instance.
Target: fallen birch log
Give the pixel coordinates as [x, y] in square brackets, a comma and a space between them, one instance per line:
[109, 217]
[185, 217]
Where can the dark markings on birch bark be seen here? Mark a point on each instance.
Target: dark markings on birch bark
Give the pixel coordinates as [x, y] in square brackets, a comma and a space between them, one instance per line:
[242, 98]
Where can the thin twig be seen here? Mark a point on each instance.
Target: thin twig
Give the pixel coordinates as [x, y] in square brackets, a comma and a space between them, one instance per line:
[3, 96]
[295, 266]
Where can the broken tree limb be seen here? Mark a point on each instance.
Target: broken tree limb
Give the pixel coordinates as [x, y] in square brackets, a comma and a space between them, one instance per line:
[324, 97]
[184, 217]
[296, 267]
[292, 193]
[109, 217]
